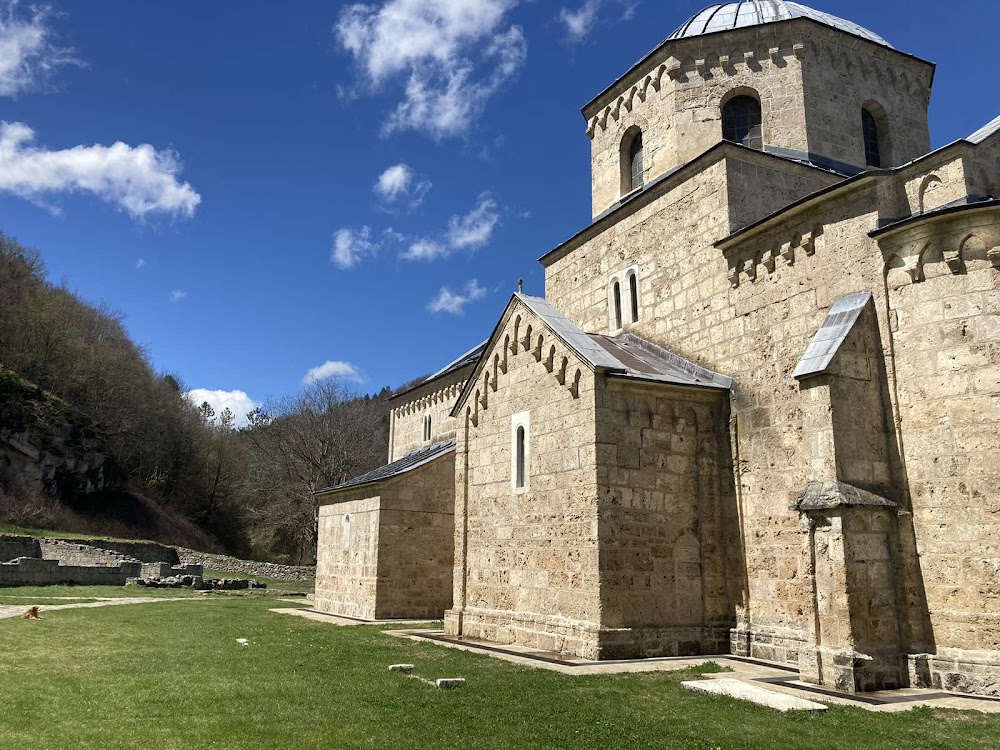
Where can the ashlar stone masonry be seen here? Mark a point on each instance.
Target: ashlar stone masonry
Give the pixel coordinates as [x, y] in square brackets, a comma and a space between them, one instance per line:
[756, 410]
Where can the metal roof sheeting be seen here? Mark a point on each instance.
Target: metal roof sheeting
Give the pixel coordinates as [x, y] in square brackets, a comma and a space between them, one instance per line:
[727, 16]
[625, 355]
[844, 313]
[412, 460]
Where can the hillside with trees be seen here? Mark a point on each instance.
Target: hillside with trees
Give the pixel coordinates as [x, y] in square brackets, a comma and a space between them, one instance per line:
[127, 454]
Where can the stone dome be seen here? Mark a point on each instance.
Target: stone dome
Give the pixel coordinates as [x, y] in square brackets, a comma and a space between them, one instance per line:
[726, 16]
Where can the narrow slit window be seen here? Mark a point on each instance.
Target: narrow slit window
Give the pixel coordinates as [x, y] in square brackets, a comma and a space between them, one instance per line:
[633, 289]
[635, 158]
[429, 428]
[869, 126]
[616, 302]
[519, 459]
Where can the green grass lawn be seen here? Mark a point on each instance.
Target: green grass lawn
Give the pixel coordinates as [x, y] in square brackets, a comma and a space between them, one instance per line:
[6, 528]
[171, 675]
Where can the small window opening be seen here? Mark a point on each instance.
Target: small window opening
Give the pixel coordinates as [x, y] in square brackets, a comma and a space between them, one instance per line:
[616, 295]
[633, 288]
[635, 159]
[869, 126]
[519, 460]
[741, 122]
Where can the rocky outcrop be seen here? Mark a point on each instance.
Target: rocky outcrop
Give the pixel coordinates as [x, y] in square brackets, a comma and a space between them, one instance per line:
[46, 446]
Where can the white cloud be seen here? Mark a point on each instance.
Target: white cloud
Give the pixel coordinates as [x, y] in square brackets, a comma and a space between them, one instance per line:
[238, 402]
[425, 249]
[177, 295]
[454, 303]
[331, 369]
[465, 232]
[400, 181]
[28, 53]
[580, 22]
[475, 228]
[139, 179]
[453, 54]
[140, 264]
[351, 246]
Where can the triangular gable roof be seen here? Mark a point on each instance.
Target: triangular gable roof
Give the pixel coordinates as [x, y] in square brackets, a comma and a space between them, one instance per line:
[626, 355]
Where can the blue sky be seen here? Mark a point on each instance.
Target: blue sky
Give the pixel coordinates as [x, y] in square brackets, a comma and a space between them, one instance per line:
[271, 190]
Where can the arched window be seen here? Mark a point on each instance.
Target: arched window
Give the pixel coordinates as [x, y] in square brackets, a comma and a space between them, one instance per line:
[741, 122]
[519, 458]
[346, 540]
[635, 162]
[632, 161]
[520, 435]
[873, 151]
[633, 290]
[428, 428]
[616, 302]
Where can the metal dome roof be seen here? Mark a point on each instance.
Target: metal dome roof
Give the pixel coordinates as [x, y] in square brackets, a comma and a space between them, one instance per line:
[726, 16]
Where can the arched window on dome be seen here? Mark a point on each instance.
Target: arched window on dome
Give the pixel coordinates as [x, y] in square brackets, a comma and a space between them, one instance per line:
[632, 164]
[741, 121]
[873, 149]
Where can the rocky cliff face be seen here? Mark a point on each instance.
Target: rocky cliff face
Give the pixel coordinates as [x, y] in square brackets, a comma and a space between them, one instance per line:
[47, 447]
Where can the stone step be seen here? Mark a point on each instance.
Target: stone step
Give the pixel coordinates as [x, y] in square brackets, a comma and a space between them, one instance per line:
[754, 694]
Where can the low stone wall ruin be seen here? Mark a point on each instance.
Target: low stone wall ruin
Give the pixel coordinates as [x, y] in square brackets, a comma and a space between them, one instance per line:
[28, 571]
[13, 547]
[64, 557]
[249, 568]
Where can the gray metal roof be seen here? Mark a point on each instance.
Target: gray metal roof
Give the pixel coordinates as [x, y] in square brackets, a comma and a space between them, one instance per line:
[645, 360]
[625, 355]
[587, 349]
[469, 358]
[726, 16]
[985, 132]
[844, 313]
[412, 460]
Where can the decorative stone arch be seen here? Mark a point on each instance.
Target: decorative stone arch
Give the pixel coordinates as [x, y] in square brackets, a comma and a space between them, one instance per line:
[526, 342]
[574, 387]
[925, 185]
[881, 118]
[538, 348]
[513, 339]
[550, 361]
[898, 273]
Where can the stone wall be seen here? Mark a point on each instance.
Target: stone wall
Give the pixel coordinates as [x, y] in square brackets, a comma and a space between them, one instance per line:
[348, 554]
[670, 550]
[811, 82]
[249, 568]
[934, 285]
[842, 74]
[434, 400]
[417, 543]
[528, 559]
[80, 554]
[386, 551]
[34, 572]
[12, 547]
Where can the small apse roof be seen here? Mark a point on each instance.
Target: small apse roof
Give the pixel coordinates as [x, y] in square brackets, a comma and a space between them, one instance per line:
[727, 16]
[412, 460]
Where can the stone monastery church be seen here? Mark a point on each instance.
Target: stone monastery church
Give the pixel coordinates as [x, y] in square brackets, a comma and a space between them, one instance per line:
[757, 411]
